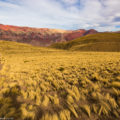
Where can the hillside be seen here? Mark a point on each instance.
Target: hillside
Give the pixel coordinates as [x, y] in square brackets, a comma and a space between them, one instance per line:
[40, 36]
[96, 42]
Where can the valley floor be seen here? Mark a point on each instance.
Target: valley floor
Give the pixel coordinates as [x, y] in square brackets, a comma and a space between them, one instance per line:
[48, 84]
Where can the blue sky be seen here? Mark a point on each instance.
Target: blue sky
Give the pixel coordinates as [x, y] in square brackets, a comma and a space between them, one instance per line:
[102, 15]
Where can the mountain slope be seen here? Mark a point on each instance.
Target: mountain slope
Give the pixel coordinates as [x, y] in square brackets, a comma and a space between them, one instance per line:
[40, 36]
[96, 42]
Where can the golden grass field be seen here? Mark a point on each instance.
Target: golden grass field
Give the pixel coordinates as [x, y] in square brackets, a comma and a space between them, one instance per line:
[48, 84]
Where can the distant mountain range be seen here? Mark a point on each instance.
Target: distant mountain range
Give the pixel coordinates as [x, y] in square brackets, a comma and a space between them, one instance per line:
[40, 36]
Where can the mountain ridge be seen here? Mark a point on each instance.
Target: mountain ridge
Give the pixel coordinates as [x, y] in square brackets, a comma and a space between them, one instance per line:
[40, 36]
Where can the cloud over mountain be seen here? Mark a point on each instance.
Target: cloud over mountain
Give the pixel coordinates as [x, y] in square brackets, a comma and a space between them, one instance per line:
[102, 15]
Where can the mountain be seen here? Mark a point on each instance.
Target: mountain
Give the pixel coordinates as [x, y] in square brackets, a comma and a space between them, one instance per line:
[40, 36]
[104, 42]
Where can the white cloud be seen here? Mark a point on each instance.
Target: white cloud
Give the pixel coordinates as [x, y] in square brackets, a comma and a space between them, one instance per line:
[8, 5]
[67, 14]
[70, 1]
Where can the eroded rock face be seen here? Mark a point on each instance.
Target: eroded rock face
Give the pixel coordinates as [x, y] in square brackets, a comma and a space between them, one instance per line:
[40, 36]
[91, 31]
[75, 34]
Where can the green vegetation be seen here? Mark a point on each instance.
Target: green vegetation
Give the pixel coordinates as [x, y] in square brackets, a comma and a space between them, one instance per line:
[104, 42]
[48, 84]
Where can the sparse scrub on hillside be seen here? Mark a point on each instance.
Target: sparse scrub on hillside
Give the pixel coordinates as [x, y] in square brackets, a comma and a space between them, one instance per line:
[104, 42]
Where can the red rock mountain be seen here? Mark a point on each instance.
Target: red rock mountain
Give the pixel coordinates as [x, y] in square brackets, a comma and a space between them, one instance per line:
[40, 36]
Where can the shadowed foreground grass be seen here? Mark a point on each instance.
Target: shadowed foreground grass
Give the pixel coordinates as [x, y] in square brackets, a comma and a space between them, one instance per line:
[9, 106]
[48, 84]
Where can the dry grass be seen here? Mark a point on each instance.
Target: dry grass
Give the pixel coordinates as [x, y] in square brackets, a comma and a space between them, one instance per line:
[50, 84]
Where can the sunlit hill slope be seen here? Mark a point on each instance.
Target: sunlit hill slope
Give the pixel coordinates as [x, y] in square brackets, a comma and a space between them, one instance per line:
[95, 42]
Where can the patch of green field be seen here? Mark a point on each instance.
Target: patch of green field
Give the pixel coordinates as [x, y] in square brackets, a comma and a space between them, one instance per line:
[104, 42]
[48, 84]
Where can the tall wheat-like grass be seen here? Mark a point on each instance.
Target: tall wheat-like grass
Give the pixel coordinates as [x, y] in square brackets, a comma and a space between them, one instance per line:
[49, 84]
